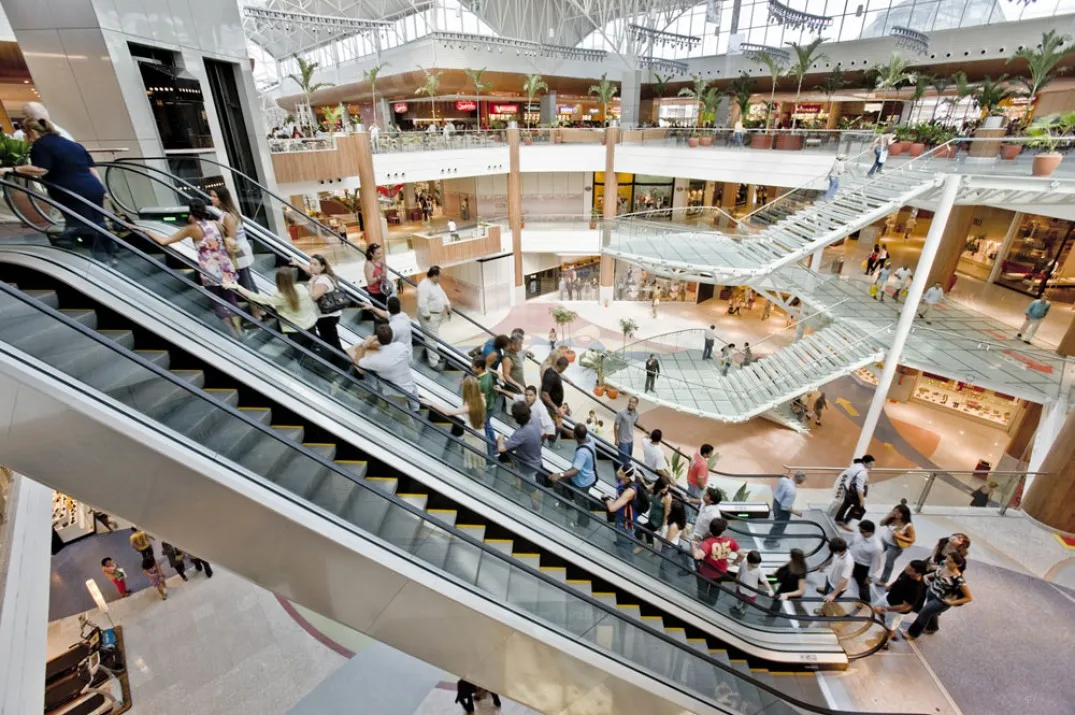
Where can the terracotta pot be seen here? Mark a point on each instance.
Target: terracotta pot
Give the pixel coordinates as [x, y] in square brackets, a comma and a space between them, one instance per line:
[707, 141]
[1009, 151]
[692, 142]
[599, 390]
[761, 141]
[1045, 164]
[528, 140]
[593, 225]
[945, 152]
[789, 142]
[917, 148]
[897, 148]
[612, 393]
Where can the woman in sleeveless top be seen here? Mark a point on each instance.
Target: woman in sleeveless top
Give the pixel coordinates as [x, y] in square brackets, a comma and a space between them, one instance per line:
[236, 242]
[898, 536]
[213, 260]
[376, 271]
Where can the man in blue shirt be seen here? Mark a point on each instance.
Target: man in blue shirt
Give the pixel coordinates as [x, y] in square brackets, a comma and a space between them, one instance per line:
[582, 474]
[783, 505]
[525, 445]
[1035, 313]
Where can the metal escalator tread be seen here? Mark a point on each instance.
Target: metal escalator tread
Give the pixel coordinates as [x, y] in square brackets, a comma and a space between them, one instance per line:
[48, 297]
[301, 475]
[401, 527]
[494, 574]
[463, 558]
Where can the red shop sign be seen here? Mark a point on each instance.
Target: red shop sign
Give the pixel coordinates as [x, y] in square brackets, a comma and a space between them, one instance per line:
[505, 109]
[400, 107]
[808, 108]
[465, 105]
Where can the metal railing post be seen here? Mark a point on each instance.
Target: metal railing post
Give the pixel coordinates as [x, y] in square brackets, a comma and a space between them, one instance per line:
[1011, 493]
[925, 492]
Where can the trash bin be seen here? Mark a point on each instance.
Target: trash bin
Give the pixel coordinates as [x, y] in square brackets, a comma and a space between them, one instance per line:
[837, 265]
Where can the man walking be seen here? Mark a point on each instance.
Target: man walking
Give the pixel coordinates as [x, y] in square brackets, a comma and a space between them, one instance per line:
[933, 296]
[624, 427]
[1035, 313]
[783, 506]
[866, 551]
[903, 277]
[552, 393]
[698, 472]
[725, 362]
[653, 369]
[710, 339]
[433, 307]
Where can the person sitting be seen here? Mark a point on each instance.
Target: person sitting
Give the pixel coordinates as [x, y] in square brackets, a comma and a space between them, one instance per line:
[390, 361]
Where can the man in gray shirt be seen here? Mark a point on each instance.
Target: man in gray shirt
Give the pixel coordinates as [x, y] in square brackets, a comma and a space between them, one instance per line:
[525, 445]
[624, 428]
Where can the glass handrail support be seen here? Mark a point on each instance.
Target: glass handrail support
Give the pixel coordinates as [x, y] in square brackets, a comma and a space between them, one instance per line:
[663, 561]
[104, 370]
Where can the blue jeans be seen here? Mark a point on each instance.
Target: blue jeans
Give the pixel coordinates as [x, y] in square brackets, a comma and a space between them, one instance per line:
[927, 617]
[781, 517]
[626, 450]
[707, 351]
[834, 186]
[877, 168]
[694, 492]
[490, 436]
[892, 552]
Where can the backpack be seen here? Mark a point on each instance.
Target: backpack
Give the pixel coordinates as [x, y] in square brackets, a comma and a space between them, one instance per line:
[642, 495]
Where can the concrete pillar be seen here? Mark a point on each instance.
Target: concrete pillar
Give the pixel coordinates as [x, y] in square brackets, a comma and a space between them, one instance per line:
[1049, 498]
[752, 197]
[834, 115]
[630, 98]
[515, 212]
[1005, 247]
[680, 188]
[367, 190]
[951, 245]
[910, 309]
[1023, 436]
[608, 265]
[1067, 343]
[815, 260]
[409, 198]
[5, 120]
[548, 108]
[728, 193]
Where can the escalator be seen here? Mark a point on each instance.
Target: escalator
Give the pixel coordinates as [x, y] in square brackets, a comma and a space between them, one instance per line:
[154, 433]
[180, 290]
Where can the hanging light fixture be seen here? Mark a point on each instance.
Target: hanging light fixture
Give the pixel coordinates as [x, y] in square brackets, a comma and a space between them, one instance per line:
[753, 52]
[781, 14]
[911, 39]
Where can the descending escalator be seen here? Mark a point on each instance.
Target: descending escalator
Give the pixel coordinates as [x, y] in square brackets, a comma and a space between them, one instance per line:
[52, 332]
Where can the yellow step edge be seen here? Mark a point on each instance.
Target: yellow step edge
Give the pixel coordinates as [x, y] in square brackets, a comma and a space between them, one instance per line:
[553, 568]
[255, 409]
[111, 330]
[498, 541]
[758, 670]
[626, 605]
[735, 660]
[723, 650]
[219, 389]
[696, 640]
[287, 426]
[382, 479]
[651, 618]
[673, 628]
[441, 511]
[773, 672]
[469, 526]
[524, 554]
[602, 593]
[184, 371]
[151, 351]
[357, 461]
[413, 495]
[578, 580]
[318, 444]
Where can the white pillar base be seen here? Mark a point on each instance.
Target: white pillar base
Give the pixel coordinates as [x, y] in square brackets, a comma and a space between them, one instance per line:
[605, 295]
[518, 296]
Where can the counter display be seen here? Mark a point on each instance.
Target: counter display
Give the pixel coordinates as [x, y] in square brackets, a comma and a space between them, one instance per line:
[992, 408]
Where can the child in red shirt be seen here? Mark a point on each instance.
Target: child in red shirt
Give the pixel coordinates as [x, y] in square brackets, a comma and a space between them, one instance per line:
[713, 556]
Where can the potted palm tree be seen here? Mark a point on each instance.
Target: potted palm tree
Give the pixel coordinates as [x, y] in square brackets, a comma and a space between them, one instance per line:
[479, 86]
[305, 80]
[1049, 133]
[1041, 64]
[940, 84]
[891, 77]
[832, 84]
[710, 104]
[628, 327]
[990, 94]
[904, 135]
[805, 57]
[593, 219]
[605, 91]
[563, 319]
[431, 88]
[13, 153]
[697, 93]
[776, 68]
[532, 85]
[739, 91]
[370, 76]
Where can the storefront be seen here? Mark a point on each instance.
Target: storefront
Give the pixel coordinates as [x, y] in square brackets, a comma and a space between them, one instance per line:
[637, 193]
[71, 519]
[975, 403]
[580, 279]
[633, 283]
[1039, 260]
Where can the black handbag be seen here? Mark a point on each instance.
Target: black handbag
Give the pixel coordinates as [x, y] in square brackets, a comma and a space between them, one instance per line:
[333, 300]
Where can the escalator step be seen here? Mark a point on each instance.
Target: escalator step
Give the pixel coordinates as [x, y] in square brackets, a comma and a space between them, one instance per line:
[265, 455]
[463, 558]
[81, 315]
[448, 516]
[48, 297]
[155, 398]
[356, 467]
[401, 527]
[302, 476]
[292, 433]
[494, 575]
[160, 358]
[261, 415]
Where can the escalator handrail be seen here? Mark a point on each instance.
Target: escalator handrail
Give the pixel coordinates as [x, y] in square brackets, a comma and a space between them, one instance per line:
[423, 516]
[9, 186]
[283, 249]
[609, 448]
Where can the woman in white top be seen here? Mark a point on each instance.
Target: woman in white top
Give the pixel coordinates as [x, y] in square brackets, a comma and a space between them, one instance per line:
[239, 248]
[323, 280]
[292, 303]
[473, 409]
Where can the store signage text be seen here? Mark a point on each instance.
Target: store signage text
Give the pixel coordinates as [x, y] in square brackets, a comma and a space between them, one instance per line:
[808, 108]
[505, 109]
[400, 107]
[466, 105]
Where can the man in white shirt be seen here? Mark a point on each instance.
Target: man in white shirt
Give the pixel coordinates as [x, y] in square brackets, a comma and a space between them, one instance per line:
[397, 320]
[707, 512]
[548, 427]
[710, 338]
[36, 110]
[866, 550]
[933, 296]
[838, 568]
[433, 307]
[903, 277]
[18, 134]
[453, 229]
[390, 361]
[652, 454]
[375, 136]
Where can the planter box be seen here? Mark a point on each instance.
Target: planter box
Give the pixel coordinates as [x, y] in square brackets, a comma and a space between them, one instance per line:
[761, 141]
[945, 152]
[916, 148]
[897, 148]
[789, 142]
[1008, 152]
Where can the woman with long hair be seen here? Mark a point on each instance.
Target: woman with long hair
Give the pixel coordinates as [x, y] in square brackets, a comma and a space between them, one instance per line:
[217, 270]
[323, 281]
[473, 412]
[236, 242]
[898, 536]
[292, 302]
[69, 167]
[677, 545]
[790, 579]
[376, 272]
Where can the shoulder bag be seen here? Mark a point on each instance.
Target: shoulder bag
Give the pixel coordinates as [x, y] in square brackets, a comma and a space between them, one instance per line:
[333, 300]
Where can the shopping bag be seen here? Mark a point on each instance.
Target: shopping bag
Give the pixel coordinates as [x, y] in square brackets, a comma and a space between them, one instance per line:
[865, 262]
[903, 293]
[873, 291]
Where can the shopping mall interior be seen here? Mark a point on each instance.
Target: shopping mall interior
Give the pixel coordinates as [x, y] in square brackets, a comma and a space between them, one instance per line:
[741, 352]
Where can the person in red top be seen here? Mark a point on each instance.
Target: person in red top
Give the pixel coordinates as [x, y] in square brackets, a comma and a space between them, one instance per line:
[698, 472]
[713, 556]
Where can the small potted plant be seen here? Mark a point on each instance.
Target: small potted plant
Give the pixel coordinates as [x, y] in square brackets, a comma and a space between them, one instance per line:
[628, 327]
[904, 134]
[940, 138]
[693, 140]
[1049, 133]
[918, 139]
[612, 392]
[563, 319]
[13, 153]
[527, 137]
[595, 360]
[1010, 150]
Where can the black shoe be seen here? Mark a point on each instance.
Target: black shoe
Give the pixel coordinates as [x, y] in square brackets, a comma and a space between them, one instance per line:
[1019, 336]
[208, 571]
[184, 577]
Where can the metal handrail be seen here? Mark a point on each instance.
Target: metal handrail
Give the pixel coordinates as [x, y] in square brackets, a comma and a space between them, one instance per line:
[420, 514]
[10, 186]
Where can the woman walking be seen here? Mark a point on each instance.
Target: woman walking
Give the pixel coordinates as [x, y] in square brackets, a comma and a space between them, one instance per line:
[473, 409]
[945, 588]
[375, 271]
[659, 510]
[292, 303]
[899, 535]
[325, 291]
[790, 580]
[152, 570]
[675, 536]
[236, 242]
[215, 264]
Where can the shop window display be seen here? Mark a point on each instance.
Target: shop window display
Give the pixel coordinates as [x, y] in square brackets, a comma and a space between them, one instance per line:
[1038, 261]
[632, 283]
[992, 408]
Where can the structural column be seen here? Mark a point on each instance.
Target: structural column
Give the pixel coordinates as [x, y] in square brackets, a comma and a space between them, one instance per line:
[515, 213]
[1005, 247]
[608, 264]
[367, 190]
[728, 193]
[1067, 343]
[1050, 498]
[910, 310]
[951, 246]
